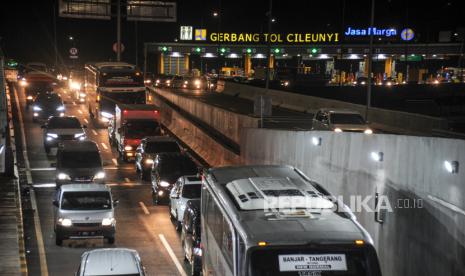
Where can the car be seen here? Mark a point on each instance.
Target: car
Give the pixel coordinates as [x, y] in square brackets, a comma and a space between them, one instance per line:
[162, 81]
[58, 129]
[166, 169]
[190, 236]
[84, 211]
[79, 162]
[76, 85]
[195, 83]
[186, 188]
[47, 104]
[35, 88]
[178, 81]
[149, 148]
[389, 82]
[340, 120]
[111, 261]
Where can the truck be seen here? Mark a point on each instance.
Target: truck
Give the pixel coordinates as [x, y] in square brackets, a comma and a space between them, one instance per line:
[35, 82]
[131, 123]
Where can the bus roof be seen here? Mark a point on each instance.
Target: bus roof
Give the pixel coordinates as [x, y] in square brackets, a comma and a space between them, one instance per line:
[233, 185]
[112, 66]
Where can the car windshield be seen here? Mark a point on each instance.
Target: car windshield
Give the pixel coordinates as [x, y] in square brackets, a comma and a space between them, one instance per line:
[191, 191]
[63, 122]
[157, 147]
[80, 159]
[86, 200]
[142, 128]
[177, 166]
[346, 119]
[48, 99]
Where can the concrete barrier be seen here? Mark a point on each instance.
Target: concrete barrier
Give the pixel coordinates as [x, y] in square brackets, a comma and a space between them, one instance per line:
[304, 103]
[198, 140]
[424, 234]
[228, 123]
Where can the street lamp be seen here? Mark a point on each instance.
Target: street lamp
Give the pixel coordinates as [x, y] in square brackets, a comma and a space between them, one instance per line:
[71, 37]
[273, 20]
[215, 14]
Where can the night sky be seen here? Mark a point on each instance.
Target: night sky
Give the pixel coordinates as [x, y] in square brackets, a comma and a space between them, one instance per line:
[27, 30]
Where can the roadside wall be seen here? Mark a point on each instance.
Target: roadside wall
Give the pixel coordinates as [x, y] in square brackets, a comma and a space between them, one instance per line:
[425, 232]
[304, 103]
[199, 141]
[228, 123]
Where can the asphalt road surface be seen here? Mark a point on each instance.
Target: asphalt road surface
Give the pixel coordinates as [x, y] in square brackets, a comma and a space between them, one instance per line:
[140, 225]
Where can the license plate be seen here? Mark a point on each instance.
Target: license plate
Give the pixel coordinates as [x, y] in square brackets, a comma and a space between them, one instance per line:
[314, 262]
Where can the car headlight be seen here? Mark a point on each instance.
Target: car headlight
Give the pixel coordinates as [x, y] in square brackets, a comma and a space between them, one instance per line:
[99, 175]
[127, 147]
[106, 115]
[368, 131]
[158, 81]
[148, 161]
[337, 130]
[168, 81]
[37, 108]
[362, 83]
[65, 222]
[61, 108]
[198, 251]
[75, 85]
[197, 82]
[29, 97]
[164, 184]
[63, 176]
[82, 95]
[77, 135]
[186, 82]
[52, 135]
[23, 83]
[108, 221]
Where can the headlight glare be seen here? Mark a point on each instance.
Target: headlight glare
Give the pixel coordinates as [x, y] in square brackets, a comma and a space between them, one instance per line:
[37, 108]
[99, 175]
[149, 161]
[63, 176]
[53, 135]
[338, 130]
[65, 222]
[368, 131]
[108, 221]
[164, 184]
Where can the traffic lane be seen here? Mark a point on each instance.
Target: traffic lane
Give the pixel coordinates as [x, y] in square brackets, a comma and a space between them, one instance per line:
[135, 230]
[126, 187]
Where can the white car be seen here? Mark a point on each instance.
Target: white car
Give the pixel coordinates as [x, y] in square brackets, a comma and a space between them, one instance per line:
[111, 261]
[340, 120]
[186, 188]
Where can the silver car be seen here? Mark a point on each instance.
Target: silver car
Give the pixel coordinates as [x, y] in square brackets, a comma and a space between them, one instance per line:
[84, 211]
[111, 261]
[340, 120]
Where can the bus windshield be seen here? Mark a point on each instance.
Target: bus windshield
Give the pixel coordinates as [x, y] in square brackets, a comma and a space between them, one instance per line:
[123, 79]
[303, 261]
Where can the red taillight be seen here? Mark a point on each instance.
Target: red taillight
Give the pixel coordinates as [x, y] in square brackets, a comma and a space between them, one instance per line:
[125, 111]
[155, 111]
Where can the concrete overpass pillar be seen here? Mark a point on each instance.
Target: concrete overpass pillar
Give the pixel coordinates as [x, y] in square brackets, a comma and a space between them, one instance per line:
[388, 67]
[271, 62]
[247, 64]
[186, 63]
[161, 64]
[365, 69]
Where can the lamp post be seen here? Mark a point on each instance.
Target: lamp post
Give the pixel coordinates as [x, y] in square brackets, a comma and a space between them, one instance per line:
[370, 60]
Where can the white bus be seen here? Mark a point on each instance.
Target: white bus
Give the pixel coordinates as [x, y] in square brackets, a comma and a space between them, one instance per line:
[110, 83]
[272, 220]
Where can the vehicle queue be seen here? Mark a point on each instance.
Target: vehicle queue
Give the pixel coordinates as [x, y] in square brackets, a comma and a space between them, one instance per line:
[249, 220]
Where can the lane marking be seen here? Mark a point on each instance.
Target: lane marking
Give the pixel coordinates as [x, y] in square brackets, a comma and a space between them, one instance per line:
[144, 208]
[80, 111]
[104, 146]
[127, 180]
[172, 255]
[115, 162]
[94, 132]
[37, 224]
[85, 120]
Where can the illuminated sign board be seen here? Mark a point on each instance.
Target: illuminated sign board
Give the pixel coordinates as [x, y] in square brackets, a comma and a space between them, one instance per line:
[274, 37]
[370, 31]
